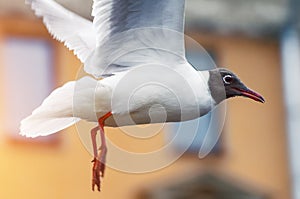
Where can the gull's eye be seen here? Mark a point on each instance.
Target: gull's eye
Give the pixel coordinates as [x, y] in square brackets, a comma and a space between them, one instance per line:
[228, 79]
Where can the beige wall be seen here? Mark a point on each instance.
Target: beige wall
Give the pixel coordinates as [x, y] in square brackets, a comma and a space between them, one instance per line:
[255, 136]
[254, 140]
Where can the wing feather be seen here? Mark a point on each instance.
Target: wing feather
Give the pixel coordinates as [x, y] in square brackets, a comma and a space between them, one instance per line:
[115, 16]
[75, 32]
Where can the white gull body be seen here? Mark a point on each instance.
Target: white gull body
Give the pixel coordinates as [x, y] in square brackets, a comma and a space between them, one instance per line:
[139, 44]
[151, 102]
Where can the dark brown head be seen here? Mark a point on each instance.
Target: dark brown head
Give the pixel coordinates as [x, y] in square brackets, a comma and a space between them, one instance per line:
[224, 84]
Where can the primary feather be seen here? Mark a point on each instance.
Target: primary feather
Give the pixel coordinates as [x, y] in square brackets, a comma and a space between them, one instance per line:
[75, 32]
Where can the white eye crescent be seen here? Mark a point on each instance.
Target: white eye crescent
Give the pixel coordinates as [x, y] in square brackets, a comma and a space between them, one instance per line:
[227, 79]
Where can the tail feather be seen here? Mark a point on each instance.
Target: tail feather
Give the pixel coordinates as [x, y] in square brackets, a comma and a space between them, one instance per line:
[55, 113]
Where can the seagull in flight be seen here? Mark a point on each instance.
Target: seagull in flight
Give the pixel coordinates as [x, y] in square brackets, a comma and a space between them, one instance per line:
[135, 51]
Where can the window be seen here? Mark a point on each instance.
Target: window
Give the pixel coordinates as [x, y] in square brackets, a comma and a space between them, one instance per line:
[27, 78]
[203, 185]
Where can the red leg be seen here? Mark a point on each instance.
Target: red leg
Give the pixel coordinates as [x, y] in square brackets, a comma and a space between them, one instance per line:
[103, 150]
[99, 159]
[93, 136]
[96, 177]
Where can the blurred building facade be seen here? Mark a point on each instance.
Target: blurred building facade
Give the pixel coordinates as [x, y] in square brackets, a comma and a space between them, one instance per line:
[254, 161]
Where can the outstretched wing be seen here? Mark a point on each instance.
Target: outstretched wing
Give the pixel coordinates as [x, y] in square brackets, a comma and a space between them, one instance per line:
[77, 33]
[129, 32]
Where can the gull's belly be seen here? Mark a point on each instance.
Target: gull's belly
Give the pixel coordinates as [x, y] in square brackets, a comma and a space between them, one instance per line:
[169, 110]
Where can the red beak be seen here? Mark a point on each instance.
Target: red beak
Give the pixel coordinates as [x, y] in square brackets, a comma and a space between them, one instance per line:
[251, 94]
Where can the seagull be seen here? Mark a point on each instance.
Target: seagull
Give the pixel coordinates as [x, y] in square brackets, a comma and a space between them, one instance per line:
[134, 53]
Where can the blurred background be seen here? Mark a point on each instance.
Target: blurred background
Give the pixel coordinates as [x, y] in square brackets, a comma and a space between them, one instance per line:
[256, 156]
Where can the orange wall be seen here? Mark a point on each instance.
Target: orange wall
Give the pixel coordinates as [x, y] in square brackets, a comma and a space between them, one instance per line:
[255, 146]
